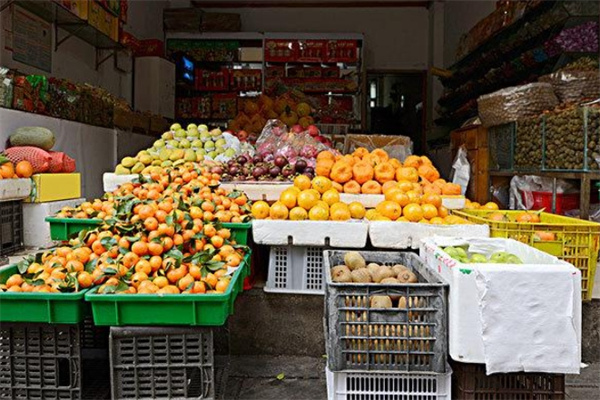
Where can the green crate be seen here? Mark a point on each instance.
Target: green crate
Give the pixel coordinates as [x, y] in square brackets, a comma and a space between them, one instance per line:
[170, 309]
[52, 308]
[66, 228]
[239, 231]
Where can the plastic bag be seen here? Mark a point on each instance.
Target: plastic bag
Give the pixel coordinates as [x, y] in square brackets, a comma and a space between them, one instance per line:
[574, 86]
[522, 188]
[461, 170]
[40, 159]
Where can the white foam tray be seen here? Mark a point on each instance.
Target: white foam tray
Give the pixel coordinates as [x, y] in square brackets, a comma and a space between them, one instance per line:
[36, 230]
[367, 200]
[112, 181]
[14, 189]
[465, 330]
[405, 235]
[351, 234]
[258, 191]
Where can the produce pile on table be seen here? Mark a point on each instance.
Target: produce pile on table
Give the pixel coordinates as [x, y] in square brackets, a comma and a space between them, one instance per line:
[162, 236]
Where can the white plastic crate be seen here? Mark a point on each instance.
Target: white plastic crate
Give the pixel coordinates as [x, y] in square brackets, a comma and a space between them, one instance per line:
[36, 230]
[348, 385]
[347, 234]
[295, 269]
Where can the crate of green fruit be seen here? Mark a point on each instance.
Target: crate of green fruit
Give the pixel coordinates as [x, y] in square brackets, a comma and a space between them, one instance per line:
[51, 308]
[210, 309]
[67, 228]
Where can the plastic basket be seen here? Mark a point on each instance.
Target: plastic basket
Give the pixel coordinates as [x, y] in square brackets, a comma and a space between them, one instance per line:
[175, 309]
[164, 363]
[52, 308]
[295, 269]
[11, 227]
[411, 339]
[471, 383]
[346, 385]
[66, 228]
[576, 241]
[40, 361]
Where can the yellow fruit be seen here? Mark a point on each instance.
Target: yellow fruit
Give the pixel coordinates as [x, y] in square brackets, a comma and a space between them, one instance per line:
[288, 198]
[413, 196]
[429, 211]
[307, 199]
[298, 214]
[413, 212]
[338, 205]
[321, 203]
[490, 206]
[321, 184]
[371, 214]
[302, 182]
[278, 211]
[331, 196]
[340, 214]
[357, 210]
[318, 214]
[436, 221]
[389, 209]
[260, 210]
[294, 189]
[381, 218]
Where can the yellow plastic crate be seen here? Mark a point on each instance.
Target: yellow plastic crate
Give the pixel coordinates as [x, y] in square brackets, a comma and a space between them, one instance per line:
[577, 240]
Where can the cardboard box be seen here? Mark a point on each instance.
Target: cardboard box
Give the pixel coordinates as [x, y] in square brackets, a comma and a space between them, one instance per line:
[54, 187]
[102, 20]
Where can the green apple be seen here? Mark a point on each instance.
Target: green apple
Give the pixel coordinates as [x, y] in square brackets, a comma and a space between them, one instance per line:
[460, 252]
[184, 144]
[173, 143]
[159, 143]
[215, 132]
[209, 145]
[451, 251]
[512, 259]
[203, 128]
[221, 143]
[201, 152]
[230, 152]
[197, 144]
[192, 126]
[213, 154]
[193, 133]
[180, 133]
[175, 127]
[204, 136]
[499, 257]
[478, 259]
[167, 135]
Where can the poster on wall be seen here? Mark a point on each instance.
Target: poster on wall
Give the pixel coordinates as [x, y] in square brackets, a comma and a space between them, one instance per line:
[32, 40]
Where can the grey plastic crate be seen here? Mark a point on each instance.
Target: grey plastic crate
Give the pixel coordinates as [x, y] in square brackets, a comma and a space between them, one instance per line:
[162, 362]
[40, 361]
[295, 269]
[411, 339]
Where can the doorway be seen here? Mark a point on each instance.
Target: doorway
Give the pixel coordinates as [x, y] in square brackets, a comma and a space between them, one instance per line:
[396, 104]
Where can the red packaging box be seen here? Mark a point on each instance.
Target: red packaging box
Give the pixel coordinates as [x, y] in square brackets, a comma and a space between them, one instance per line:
[129, 41]
[201, 107]
[123, 14]
[275, 72]
[245, 79]
[150, 48]
[311, 50]
[281, 50]
[224, 105]
[210, 80]
[342, 51]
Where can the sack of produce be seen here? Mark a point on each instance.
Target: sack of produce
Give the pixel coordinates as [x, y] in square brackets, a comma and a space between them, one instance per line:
[512, 103]
[61, 162]
[579, 80]
[36, 136]
[40, 159]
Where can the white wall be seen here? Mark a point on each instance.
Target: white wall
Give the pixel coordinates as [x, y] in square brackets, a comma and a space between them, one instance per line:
[395, 38]
[459, 17]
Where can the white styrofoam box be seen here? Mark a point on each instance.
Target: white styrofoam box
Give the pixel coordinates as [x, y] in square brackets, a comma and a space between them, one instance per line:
[367, 200]
[14, 189]
[465, 333]
[295, 269]
[352, 234]
[37, 230]
[375, 385]
[112, 181]
[454, 202]
[404, 235]
[258, 191]
[155, 86]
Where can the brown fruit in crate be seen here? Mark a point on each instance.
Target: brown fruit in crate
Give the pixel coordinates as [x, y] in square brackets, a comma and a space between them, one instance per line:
[381, 273]
[407, 277]
[354, 260]
[402, 302]
[341, 273]
[361, 275]
[399, 268]
[372, 267]
[381, 302]
[390, 281]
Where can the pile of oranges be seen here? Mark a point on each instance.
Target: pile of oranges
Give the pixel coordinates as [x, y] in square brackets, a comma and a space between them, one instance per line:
[157, 237]
[473, 205]
[9, 170]
[407, 202]
[315, 200]
[368, 172]
[190, 184]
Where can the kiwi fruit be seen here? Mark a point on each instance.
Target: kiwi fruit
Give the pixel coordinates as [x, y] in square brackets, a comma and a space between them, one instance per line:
[408, 277]
[381, 302]
[354, 260]
[402, 302]
[361, 275]
[399, 268]
[390, 281]
[372, 267]
[341, 273]
[381, 273]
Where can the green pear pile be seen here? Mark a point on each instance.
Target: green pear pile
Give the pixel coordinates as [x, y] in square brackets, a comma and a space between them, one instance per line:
[195, 143]
[499, 257]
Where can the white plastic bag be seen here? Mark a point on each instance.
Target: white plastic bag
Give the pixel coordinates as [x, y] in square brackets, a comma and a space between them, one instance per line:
[461, 170]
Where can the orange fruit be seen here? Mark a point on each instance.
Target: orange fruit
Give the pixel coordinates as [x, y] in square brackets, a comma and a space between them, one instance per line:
[140, 248]
[211, 280]
[397, 196]
[74, 266]
[138, 278]
[278, 211]
[14, 280]
[429, 211]
[436, 221]
[24, 169]
[413, 212]
[298, 214]
[143, 266]
[340, 213]
[161, 281]
[186, 282]
[318, 213]
[85, 279]
[155, 249]
[330, 196]
[302, 182]
[357, 210]
[307, 199]
[490, 206]
[260, 209]
[288, 198]
[155, 263]
[413, 197]
[221, 286]
[321, 184]
[433, 199]
[389, 209]
[443, 212]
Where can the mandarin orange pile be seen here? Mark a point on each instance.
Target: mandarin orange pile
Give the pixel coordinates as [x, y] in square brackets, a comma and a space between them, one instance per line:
[9, 170]
[316, 200]
[162, 236]
[368, 172]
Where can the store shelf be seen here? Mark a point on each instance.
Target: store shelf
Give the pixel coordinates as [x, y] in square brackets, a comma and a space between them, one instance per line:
[64, 19]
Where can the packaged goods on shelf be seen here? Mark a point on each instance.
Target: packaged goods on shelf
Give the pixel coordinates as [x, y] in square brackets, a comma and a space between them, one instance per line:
[519, 272]
[516, 102]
